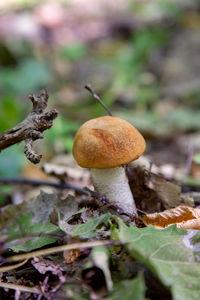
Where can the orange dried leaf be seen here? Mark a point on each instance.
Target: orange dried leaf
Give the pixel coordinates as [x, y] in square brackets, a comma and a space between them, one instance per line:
[191, 224]
[71, 255]
[180, 214]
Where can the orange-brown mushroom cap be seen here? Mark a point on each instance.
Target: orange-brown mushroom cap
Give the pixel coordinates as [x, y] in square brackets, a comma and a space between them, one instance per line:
[107, 142]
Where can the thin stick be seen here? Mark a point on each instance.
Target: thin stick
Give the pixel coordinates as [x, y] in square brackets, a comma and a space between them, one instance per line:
[90, 89]
[62, 248]
[9, 268]
[84, 191]
[46, 183]
[21, 288]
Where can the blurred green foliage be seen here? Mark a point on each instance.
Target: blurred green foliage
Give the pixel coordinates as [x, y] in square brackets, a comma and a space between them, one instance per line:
[12, 160]
[61, 135]
[74, 51]
[87, 230]
[156, 9]
[10, 112]
[122, 70]
[30, 75]
[196, 158]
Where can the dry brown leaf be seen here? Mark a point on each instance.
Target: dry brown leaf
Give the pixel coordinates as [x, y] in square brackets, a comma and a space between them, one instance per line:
[71, 255]
[169, 193]
[191, 224]
[44, 265]
[180, 215]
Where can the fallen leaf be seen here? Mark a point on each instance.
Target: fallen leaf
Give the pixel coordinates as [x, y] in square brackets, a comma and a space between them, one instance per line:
[71, 255]
[65, 209]
[168, 192]
[44, 265]
[190, 224]
[42, 206]
[181, 215]
[146, 198]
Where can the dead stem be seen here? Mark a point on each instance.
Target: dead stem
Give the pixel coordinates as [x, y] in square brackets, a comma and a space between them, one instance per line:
[90, 89]
[31, 128]
[62, 248]
[21, 288]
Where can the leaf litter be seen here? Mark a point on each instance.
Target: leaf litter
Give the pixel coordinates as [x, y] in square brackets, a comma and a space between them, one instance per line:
[56, 219]
[165, 254]
[64, 218]
[171, 255]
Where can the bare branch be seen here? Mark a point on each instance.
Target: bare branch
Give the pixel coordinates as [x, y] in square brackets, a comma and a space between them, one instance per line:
[21, 180]
[101, 199]
[31, 128]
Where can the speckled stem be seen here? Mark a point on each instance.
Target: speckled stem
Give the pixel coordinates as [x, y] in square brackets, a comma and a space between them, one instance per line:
[113, 183]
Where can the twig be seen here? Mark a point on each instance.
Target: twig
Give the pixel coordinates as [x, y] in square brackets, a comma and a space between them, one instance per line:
[62, 248]
[90, 89]
[31, 128]
[33, 182]
[12, 267]
[85, 191]
[22, 288]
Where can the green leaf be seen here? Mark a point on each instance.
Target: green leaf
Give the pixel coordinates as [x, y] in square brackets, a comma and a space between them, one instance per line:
[25, 228]
[129, 289]
[166, 255]
[196, 158]
[76, 213]
[190, 181]
[88, 230]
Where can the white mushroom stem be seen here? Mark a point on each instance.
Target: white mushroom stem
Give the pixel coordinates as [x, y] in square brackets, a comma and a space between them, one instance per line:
[113, 183]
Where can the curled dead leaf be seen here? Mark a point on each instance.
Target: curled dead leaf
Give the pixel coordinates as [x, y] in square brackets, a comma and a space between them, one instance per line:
[184, 216]
[190, 224]
[71, 255]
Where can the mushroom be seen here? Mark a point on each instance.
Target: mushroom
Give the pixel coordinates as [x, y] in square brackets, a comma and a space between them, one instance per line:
[105, 145]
